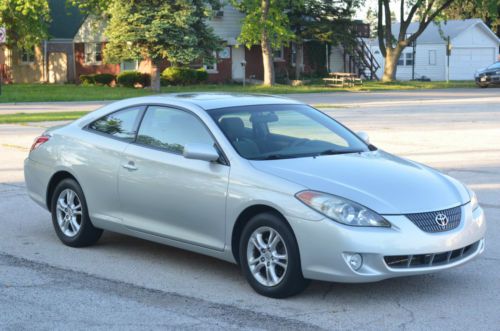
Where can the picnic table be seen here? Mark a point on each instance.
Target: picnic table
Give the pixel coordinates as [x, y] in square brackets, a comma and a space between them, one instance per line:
[342, 79]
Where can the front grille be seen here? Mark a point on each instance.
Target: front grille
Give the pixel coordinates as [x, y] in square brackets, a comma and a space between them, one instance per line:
[429, 260]
[427, 221]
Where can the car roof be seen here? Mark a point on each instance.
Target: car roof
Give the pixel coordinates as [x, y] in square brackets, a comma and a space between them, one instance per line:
[210, 100]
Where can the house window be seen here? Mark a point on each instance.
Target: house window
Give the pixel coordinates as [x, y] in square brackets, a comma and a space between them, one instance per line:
[211, 67]
[432, 57]
[93, 53]
[409, 59]
[401, 60]
[129, 65]
[279, 54]
[28, 56]
[405, 59]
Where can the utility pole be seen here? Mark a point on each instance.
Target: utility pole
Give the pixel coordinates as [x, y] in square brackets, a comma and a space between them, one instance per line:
[448, 53]
[414, 44]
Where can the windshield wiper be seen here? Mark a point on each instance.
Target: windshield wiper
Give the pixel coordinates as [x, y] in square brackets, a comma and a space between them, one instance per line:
[278, 156]
[337, 152]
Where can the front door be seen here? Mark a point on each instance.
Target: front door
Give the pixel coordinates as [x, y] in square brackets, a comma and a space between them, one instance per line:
[58, 67]
[165, 194]
[237, 57]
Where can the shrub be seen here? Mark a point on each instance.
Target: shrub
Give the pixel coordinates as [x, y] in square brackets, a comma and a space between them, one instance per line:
[181, 75]
[104, 79]
[201, 75]
[87, 79]
[131, 78]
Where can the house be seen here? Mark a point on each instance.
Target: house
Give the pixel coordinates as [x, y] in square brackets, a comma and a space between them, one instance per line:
[473, 46]
[53, 60]
[77, 42]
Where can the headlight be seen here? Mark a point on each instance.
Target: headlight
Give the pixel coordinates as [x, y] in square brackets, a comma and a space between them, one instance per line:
[341, 210]
[473, 200]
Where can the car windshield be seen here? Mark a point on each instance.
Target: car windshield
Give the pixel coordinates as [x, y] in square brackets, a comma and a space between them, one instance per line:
[267, 132]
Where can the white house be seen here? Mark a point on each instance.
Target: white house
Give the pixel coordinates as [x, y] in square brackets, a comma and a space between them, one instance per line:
[473, 46]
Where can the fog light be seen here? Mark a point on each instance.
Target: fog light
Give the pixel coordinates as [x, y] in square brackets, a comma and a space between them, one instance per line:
[356, 261]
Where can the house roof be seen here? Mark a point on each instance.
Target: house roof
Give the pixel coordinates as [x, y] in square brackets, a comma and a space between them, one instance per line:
[66, 19]
[436, 33]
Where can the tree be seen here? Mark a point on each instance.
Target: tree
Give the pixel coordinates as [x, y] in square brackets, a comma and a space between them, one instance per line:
[471, 9]
[173, 30]
[266, 23]
[25, 21]
[323, 21]
[423, 12]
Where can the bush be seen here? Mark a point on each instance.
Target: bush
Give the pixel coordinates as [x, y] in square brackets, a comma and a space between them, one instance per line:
[132, 78]
[87, 79]
[201, 75]
[104, 79]
[183, 75]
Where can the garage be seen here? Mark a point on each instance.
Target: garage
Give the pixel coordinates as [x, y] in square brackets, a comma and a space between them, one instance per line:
[473, 46]
[464, 62]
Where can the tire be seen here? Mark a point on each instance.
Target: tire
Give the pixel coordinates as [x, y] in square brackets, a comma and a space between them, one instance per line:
[258, 266]
[71, 220]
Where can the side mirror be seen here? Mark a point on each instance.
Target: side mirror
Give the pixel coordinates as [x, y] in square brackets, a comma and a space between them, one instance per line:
[205, 152]
[364, 136]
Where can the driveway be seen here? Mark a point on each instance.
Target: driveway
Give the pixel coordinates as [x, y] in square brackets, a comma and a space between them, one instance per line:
[127, 283]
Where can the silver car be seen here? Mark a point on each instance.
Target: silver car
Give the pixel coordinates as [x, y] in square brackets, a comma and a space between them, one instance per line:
[269, 183]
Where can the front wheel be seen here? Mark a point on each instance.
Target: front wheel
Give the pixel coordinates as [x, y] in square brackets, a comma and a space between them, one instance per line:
[70, 215]
[269, 257]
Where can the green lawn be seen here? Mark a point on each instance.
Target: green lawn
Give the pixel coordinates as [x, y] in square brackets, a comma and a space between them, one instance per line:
[69, 92]
[40, 117]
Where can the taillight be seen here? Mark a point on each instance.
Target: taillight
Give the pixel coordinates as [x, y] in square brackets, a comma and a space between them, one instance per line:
[38, 142]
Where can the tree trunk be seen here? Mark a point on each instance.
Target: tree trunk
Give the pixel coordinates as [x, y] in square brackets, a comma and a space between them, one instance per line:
[155, 75]
[267, 53]
[299, 54]
[391, 63]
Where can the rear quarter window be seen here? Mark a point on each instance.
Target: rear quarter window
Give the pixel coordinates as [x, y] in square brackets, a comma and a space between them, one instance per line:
[121, 124]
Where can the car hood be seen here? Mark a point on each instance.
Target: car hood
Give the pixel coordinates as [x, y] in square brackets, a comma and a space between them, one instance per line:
[380, 181]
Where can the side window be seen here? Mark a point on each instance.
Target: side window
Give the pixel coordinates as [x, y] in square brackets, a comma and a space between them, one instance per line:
[171, 129]
[120, 124]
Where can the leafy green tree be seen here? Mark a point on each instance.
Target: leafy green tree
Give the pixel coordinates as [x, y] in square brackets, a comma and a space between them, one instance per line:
[174, 29]
[323, 21]
[471, 9]
[25, 21]
[392, 43]
[266, 23]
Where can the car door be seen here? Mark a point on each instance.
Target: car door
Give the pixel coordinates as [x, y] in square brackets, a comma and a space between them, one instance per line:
[165, 194]
[95, 158]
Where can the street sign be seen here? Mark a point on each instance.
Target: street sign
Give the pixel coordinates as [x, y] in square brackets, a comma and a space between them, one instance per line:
[3, 35]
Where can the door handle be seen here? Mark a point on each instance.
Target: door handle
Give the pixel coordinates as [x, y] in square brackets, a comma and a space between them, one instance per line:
[129, 166]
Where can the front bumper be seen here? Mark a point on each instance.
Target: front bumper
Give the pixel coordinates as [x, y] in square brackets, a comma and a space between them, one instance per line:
[487, 80]
[326, 247]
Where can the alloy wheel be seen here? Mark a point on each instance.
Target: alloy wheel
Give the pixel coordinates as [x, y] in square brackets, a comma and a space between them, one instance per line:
[69, 212]
[267, 256]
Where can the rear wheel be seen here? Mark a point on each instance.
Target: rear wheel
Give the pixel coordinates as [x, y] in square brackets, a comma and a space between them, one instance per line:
[269, 257]
[70, 215]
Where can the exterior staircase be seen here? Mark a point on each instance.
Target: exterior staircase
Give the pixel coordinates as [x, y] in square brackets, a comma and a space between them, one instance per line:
[359, 59]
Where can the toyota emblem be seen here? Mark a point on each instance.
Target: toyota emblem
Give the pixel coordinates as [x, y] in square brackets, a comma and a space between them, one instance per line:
[441, 220]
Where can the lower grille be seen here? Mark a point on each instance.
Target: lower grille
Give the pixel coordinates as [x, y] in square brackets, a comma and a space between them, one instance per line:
[429, 260]
[427, 221]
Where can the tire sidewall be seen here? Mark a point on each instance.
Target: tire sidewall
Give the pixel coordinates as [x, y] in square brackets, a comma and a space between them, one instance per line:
[73, 185]
[293, 281]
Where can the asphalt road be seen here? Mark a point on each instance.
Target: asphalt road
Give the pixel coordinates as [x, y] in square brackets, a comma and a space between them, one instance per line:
[127, 283]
